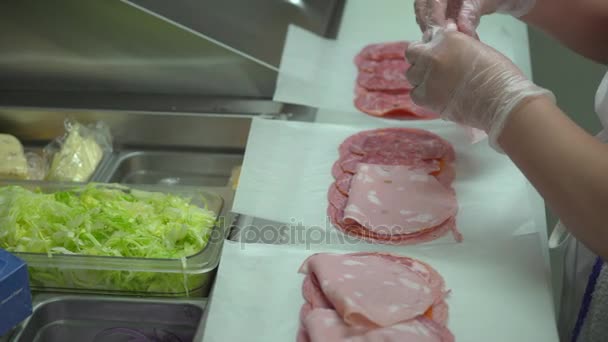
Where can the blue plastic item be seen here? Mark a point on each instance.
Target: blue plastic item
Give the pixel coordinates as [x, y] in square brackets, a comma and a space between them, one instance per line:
[15, 296]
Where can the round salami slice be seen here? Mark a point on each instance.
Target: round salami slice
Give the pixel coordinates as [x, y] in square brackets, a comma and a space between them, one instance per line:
[342, 183]
[407, 142]
[335, 197]
[388, 75]
[387, 104]
[354, 143]
[395, 146]
[336, 169]
[382, 51]
[369, 65]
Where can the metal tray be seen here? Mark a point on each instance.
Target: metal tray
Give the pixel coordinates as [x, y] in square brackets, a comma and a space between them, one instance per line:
[76, 318]
[171, 168]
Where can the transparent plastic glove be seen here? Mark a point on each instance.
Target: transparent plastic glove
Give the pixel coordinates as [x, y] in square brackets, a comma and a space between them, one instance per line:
[467, 81]
[466, 13]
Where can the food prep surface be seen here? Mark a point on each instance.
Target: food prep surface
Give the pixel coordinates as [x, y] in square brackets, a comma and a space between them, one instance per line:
[125, 218]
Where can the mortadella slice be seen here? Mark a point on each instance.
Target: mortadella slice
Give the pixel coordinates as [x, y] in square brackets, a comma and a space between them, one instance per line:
[394, 199]
[323, 325]
[373, 291]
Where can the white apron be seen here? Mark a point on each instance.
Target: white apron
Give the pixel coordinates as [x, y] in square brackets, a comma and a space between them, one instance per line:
[584, 299]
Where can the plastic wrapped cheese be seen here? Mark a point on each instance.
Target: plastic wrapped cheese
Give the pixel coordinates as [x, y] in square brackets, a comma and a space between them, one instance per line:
[75, 156]
[13, 164]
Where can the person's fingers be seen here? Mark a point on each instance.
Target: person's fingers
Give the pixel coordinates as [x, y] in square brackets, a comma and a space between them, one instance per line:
[420, 10]
[438, 12]
[468, 20]
[417, 72]
[427, 35]
[430, 13]
[413, 52]
[418, 96]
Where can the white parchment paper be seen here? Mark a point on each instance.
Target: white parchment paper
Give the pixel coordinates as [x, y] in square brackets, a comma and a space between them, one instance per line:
[499, 291]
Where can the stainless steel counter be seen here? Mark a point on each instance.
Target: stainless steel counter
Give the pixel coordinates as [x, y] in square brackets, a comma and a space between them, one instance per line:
[151, 147]
[202, 48]
[62, 318]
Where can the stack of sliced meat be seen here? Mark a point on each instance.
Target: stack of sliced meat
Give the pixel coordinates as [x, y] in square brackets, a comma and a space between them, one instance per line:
[393, 185]
[382, 88]
[372, 297]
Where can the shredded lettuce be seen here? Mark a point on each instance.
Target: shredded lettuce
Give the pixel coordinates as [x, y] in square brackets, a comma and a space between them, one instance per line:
[104, 221]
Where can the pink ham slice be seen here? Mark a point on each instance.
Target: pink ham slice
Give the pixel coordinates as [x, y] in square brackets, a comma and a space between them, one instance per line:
[358, 281]
[311, 291]
[397, 200]
[315, 299]
[324, 325]
[356, 230]
[372, 291]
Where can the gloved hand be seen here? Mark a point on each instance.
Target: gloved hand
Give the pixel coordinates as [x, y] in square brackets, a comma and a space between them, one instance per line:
[465, 13]
[467, 81]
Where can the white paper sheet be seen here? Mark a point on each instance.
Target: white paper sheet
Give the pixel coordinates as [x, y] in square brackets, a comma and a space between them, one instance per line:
[499, 292]
[287, 172]
[320, 72]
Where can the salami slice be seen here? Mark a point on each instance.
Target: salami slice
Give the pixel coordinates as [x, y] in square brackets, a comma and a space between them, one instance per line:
[342, 183]
[336, 198]
[354, 143]
[382, 51]
[414, 143]
[336, 169]
[387, 75]
[382, 87]
[375, 66]
[394, 146]
[392, 105]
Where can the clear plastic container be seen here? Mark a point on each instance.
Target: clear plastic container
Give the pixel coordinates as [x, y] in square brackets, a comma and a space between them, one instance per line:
[123, 275]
